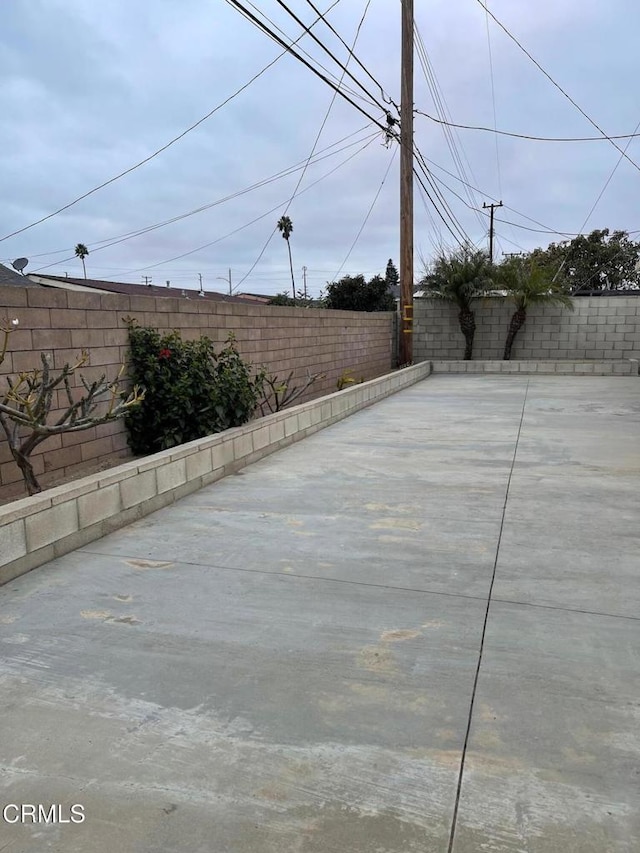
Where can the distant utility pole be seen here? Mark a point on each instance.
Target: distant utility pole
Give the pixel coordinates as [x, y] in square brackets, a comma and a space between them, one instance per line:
[147, 280]
[201, 290]
[304, 279]
[228, 280]
[492, 207]
[406, 188]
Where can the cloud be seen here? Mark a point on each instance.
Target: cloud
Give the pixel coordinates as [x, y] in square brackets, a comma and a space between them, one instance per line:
[90, 89]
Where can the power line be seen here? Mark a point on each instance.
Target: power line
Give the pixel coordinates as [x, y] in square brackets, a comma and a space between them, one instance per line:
[464, 238]
[164, 147]
[113, 241]
[368, 214]
[317, 139]
[261, 26]
[309, 56]
[330, 53]
[443, 110]
[595, 204]
[558, 86]
[493, 99]
[385, 97]
[608, 181]
[527, 136]
[546, 230]
[257, 219]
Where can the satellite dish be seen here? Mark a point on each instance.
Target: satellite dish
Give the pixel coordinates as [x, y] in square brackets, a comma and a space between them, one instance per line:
[20, 263]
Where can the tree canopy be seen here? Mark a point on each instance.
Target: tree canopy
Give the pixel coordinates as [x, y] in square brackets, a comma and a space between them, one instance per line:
[598, 261]
[354, 293]
[391, 274]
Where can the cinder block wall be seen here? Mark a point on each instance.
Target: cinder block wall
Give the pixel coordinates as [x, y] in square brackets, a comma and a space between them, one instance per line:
[63, 323]
[599, 327]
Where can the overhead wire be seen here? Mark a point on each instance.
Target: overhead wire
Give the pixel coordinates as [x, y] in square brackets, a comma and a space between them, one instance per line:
[328, 71]
[168, 144]
[496, 138]
[493, 100]
[557, 85]
[525, 135]
[608, 181]
[112, 241]
[462, 238]
[257, 219]
[546, 228]
[451, 138]
[275, 37]
[383, 94]
[330, 53]
[593, 207]
[368, 214]
[315, 143]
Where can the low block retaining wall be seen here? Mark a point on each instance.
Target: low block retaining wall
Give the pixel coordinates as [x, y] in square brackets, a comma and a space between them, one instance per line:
[629, 367]
[37, 529]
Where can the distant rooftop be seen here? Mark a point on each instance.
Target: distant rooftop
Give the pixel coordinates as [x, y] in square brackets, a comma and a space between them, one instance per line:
[10, 278]
[126, 288]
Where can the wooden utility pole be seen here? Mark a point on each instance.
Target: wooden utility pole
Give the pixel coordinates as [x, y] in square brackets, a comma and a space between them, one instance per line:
[405, 354]
[493, 207]
[304, 278]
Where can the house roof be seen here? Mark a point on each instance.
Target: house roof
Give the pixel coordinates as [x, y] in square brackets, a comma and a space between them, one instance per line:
[130, 289]
[9, 278]
[256, 297]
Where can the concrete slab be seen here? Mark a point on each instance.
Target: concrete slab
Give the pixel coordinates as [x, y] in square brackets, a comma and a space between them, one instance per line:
[552, 763]
[261, 709]
[286, 660]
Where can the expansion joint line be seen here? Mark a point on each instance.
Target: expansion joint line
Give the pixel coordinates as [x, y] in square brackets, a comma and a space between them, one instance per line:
[454, 819]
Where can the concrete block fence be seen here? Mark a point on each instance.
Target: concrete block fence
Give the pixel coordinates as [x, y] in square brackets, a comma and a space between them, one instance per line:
[63, 323]
[37, 529]
[600, 328]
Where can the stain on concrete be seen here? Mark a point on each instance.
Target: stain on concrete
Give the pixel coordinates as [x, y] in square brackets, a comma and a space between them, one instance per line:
[399, 634]
[396, 524]
[144, 565]
[343, 826]
[108, 616]
[96, 614]
[124, 599]
[376, 659]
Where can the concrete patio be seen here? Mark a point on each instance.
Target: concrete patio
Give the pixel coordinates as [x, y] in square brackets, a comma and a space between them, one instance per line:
[416, 630]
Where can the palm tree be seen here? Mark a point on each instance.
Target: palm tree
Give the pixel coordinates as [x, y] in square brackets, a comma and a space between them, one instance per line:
[285, 227]
[460, 278]
[526, 284]
[82, 252]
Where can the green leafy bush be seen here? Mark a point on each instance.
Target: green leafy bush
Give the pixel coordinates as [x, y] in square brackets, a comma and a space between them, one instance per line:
[190, 390]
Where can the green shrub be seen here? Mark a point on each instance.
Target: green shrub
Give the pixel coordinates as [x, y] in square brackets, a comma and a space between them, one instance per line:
[190, 391]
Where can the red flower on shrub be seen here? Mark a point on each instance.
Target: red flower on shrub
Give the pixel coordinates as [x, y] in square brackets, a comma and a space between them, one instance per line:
[164, 353]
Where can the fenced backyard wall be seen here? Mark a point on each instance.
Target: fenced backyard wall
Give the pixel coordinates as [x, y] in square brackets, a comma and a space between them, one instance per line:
[63, 323]
[599, 328]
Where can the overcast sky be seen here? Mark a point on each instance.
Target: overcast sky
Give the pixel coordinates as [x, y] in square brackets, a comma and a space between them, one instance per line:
[88, 89]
